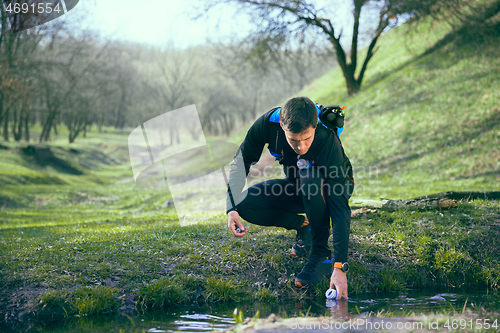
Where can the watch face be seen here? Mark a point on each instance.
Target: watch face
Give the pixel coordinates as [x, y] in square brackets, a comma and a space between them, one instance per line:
[345, 267]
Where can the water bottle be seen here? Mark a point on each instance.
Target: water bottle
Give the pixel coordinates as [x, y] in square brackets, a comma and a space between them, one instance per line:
[331, 294]
[331, 303]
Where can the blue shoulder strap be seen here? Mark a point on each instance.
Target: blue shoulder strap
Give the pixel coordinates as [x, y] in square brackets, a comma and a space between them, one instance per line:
[275, 116]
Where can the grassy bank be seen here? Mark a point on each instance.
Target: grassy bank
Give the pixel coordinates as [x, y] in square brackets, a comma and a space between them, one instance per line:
[427, 118]
[100, 246]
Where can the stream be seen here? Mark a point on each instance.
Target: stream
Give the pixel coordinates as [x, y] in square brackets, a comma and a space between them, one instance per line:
[207, 318]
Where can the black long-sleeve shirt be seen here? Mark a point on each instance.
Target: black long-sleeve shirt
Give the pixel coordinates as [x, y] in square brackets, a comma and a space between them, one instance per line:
[326, 152]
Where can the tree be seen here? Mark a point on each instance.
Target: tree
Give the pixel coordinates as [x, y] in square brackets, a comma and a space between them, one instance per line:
[69, 81]
[297, 63]
[178, 77]
[13, 96]
[291, 17]
[16, 66]
[239, 83]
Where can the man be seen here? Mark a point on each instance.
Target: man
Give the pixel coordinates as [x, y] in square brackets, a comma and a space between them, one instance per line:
[318, 182]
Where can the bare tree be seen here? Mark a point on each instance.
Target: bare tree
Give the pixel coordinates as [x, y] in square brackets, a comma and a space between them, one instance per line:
[179, 72]
[297, 62]
[292, 17]
[17, 52]
[75, 61]
[13, 96]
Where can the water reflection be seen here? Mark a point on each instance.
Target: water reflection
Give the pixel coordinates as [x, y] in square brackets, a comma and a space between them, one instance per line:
[203, 322]
[202, 319]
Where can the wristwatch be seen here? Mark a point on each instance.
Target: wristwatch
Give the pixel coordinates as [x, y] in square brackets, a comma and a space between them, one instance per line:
[344, 267]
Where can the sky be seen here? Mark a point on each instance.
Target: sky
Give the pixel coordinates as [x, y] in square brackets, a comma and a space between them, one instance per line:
[171, 22]
[160, 22]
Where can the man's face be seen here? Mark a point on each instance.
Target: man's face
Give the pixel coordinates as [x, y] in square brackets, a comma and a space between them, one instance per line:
[300, 142]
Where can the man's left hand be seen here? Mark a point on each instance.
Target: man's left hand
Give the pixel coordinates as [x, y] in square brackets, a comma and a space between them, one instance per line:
[339, 282]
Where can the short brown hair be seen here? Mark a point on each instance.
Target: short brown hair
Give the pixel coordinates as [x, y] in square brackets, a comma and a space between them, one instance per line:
[298, 114]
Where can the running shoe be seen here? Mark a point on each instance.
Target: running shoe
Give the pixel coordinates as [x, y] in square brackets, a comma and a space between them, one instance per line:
[317, 268]
[303, 242]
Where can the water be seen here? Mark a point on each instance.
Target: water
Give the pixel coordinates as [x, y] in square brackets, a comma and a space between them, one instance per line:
[208, 318]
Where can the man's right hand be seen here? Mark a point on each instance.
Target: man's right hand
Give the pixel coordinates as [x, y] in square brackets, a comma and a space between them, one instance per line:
[339, 282]
[233, 221]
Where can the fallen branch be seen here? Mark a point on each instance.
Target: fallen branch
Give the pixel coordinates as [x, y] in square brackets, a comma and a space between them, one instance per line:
[443, 200]
[486, 195]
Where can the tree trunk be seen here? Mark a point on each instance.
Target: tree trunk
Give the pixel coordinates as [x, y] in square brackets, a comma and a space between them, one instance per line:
[6, 126]
[47, 127]
[18, 135]
[1, 107]
[72, 137]
[76, 125]
[27, 128]
[17, 126]
[352, 84]
[14, 125]
[47, 134]
[122, 107]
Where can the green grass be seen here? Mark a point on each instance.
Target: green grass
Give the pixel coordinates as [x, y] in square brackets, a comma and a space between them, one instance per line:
[77, 249]
[162, 293]
[423, 123]
[164, 264]
[80, 302]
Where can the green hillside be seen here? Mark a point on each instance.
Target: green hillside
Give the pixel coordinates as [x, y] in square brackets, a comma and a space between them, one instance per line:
[428, 116]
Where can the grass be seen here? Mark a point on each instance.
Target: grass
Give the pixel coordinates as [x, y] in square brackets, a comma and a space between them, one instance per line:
[423, 122]
[77, 234]
[148, 255]
[161, 293]
[83, 301]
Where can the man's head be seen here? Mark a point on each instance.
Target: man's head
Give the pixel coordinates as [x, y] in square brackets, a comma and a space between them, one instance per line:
[299, 118]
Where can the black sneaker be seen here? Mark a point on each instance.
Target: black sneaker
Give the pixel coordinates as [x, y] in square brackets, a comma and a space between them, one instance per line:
[316, 269]
[303, 242]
